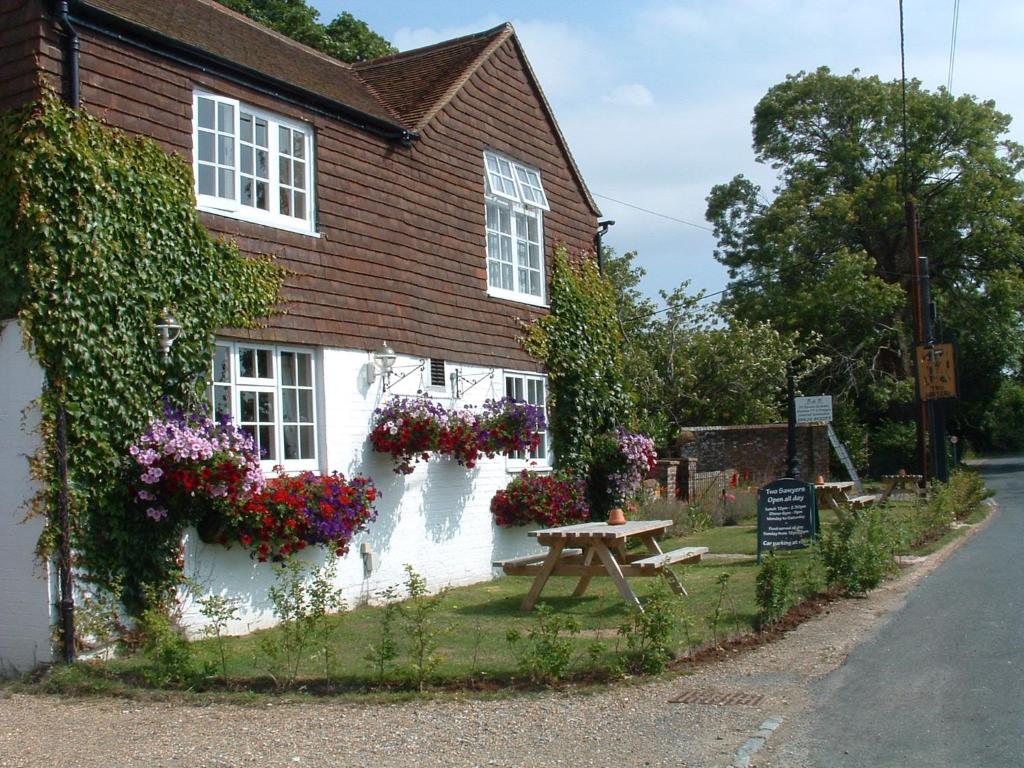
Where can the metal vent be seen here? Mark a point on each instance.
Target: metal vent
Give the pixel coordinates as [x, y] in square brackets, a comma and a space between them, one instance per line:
[437, 378]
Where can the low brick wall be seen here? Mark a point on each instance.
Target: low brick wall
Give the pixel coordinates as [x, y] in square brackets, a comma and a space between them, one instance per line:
[758, 451]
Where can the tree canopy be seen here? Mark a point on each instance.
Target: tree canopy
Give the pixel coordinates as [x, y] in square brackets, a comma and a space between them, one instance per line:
[345, 38]
[828, 252]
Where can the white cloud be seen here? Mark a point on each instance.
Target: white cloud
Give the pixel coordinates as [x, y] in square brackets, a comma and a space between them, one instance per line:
[632, 95]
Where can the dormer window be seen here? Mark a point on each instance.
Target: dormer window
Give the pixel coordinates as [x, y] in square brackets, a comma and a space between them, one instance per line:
[515, 202]
[252, 165]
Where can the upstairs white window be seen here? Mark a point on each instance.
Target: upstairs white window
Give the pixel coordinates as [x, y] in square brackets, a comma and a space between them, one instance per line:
[515, 203]
[252, 165]
[270, 393]
[532, 389]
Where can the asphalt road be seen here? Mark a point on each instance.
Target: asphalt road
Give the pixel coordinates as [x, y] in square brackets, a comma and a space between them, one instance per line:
[942, 683]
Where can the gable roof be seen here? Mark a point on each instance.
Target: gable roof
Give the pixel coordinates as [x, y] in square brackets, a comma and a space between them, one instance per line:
[417, 84]
[211, 31]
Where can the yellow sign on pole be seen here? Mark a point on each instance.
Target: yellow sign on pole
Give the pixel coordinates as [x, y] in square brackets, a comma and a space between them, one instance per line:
[936, 371]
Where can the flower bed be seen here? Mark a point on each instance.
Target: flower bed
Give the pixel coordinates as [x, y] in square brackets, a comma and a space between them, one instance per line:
[544, 500]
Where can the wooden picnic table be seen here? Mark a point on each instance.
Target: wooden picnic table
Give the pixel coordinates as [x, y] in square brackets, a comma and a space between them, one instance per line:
[903, 481]
[598, 549]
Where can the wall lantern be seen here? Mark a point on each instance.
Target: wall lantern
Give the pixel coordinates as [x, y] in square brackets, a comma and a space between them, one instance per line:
[168, 332]
[381, 363]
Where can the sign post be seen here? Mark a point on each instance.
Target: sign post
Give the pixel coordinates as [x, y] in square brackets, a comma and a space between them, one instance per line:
[787, 515]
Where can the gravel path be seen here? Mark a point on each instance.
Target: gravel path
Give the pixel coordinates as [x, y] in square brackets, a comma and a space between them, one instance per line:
[629, 725]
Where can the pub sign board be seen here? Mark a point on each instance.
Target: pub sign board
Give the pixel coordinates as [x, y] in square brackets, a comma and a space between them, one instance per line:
[787, 515]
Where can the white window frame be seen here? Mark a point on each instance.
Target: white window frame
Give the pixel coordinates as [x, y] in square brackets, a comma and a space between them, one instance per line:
[539, 459]
[517, 189]
[232, 206]
[275, 387]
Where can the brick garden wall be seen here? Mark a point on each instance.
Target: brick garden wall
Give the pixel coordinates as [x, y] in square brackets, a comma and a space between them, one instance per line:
[759, 450]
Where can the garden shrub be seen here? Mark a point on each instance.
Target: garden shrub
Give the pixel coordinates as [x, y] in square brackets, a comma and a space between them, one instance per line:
[546, 653]
[648, 633]
[419, 620]
[856, 551]
[773, 589]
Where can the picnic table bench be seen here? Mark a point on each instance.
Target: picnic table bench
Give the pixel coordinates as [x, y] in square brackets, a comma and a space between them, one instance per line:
[902, 481]
[586, 550]
[834, 494]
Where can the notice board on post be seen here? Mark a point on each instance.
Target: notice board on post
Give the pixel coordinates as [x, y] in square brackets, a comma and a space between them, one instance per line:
[787, 515]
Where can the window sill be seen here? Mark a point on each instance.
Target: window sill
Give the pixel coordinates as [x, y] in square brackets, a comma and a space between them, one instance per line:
[520, 298]
[284, 226]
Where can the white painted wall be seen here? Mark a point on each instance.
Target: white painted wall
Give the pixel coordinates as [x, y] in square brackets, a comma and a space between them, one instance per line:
[26, 611]
[436, 519]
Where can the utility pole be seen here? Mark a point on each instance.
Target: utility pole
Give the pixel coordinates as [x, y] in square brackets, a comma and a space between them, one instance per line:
[921, 408]
[792, 467]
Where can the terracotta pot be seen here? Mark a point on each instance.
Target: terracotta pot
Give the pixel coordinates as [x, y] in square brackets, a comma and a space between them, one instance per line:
[616, 516]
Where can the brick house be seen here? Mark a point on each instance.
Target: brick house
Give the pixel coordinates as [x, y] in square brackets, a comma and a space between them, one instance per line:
[416, 200]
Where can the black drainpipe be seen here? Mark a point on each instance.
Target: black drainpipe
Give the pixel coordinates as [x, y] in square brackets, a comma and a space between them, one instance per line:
[602, 229]
[70, 53]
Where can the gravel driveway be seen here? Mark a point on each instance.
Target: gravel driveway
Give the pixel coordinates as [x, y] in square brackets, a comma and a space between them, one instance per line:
[629, 725]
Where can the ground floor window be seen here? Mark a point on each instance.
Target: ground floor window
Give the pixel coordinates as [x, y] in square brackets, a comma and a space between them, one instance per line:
[532, 389]
[270, 392]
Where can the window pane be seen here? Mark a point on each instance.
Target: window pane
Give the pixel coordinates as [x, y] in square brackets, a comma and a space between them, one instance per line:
[284, 139]
[532, 229]
[535, 284]
[246, 191]
[265, 404]
[506, 277]
[291, 443]
[288, 369]
[245, 126]
[222, 364]
[262, 195]
[307, 445]
[261, 132]
[521, 253]
[206, 144]
[206, 113]
[289, 406]
[262, 166]
[286, 203]
[248, 406]
[226, 183]
[207, 180]
[226, 150]
[300, 175]
[285, 171]
[221, 402]
[306, 405]
[247, 362]
[266, 442]
[298, 145]
[245, 156]
[305, 364]
[505, 219]
[506, 249]
[226, 118]
[534, 257]
[264, 363]
[300, 205]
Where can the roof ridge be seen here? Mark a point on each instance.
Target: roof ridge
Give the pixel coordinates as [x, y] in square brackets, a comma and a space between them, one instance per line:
[502, 33]
[274, 33]
[433, 47]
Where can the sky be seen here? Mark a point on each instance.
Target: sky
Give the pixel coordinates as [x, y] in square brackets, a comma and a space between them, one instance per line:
[655, 98]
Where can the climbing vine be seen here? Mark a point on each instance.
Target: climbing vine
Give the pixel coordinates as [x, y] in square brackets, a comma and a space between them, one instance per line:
[98, 235]
[581, 346]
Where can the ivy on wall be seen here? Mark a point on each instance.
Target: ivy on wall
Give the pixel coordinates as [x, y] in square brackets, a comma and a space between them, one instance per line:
[581, 346]
[98, 235]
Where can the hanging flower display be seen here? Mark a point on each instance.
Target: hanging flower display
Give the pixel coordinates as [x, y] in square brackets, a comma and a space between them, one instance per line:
[508, 425]
[459, 438]
[544, 500]
[408, 428]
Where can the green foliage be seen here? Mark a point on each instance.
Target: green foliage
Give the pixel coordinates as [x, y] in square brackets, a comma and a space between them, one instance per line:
[1004, 421]
[171, 660]
[219, 611]
[698, 363]
[581, 346]
[827, 253]
[345, 38]
[722, 601]
[961, 497]
[648, 633]
[892, 444]
[545, 654]
[382, 654]
[857, 551]
[303, 597]
[98, 234]
[420, 621]
[773, 589]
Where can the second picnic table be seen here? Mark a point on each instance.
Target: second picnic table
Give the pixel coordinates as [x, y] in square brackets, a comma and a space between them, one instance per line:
[598, 549]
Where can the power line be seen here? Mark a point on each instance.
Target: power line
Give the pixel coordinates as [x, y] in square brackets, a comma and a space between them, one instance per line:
[655, 213]
[952, 44]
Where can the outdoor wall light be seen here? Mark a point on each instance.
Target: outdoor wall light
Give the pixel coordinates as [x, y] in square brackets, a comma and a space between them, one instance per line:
[168, 332]
[381, 363]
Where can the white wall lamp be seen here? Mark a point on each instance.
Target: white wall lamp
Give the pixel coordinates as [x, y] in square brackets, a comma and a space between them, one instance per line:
[168, 330]
[381, 363]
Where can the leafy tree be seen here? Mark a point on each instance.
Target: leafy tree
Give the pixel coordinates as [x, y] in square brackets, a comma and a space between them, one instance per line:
[345, 38]
[828, 253]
